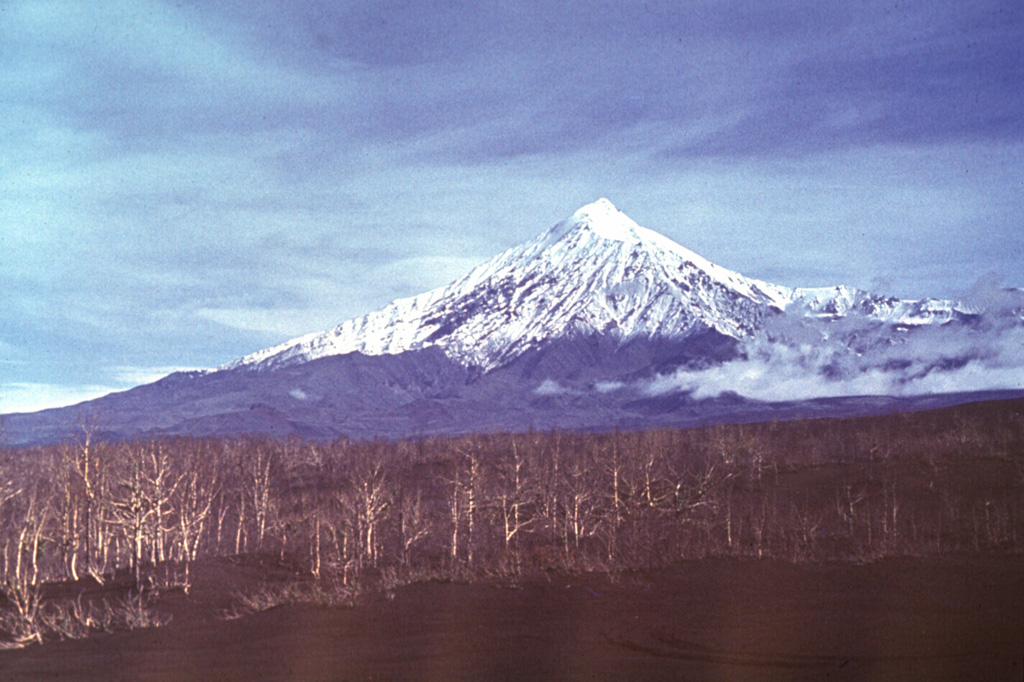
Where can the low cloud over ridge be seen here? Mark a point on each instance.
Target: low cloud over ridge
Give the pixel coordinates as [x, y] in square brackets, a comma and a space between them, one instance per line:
[798, 359]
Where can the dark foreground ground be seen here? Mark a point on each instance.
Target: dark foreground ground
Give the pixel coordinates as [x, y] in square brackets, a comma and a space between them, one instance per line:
[717, 619]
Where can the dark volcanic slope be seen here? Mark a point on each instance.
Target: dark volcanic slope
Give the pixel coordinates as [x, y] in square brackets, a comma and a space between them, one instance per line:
[425, 392]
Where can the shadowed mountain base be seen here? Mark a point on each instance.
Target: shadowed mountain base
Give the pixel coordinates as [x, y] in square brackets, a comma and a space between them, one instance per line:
[585, 384]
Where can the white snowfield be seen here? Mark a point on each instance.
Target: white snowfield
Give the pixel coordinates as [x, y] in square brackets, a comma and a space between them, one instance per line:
[597, 272]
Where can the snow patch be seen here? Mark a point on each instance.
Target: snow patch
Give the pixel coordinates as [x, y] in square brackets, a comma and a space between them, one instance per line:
[550, 387]
[609, 386]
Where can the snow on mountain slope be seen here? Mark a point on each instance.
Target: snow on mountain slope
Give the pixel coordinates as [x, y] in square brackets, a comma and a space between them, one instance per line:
[837, 302]
[595, 273]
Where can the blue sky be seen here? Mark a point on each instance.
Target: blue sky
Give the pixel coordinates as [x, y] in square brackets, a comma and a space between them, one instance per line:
[182, 183]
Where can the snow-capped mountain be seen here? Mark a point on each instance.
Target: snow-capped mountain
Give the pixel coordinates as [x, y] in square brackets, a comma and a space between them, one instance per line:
[596, 323]
[595, 273]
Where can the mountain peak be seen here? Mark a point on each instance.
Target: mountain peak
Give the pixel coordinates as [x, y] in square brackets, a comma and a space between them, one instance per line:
[602, 209]
[603, 219]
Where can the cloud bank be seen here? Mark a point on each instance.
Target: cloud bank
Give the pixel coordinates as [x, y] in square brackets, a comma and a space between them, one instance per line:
[804, 359]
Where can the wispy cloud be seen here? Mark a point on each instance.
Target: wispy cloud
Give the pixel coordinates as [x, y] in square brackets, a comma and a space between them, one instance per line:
[550, 387]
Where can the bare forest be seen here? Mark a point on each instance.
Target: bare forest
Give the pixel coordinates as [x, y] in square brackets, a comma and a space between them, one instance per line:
[347, 518]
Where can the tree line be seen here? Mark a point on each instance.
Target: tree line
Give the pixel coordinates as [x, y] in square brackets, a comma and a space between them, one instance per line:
[928, 483]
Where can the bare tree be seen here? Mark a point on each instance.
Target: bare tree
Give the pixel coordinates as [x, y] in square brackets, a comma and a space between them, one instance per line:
[696, 495]
[131, 507]
[455, 510]
[464, 495]
[413, 522]
[30, 516]
[160, 485]
[515, 494]
[259, 463]
[80, 458]
[69, 509]
[315, 503]
[369, 496]
[581, 502]
[8, 519]
[199, 487]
